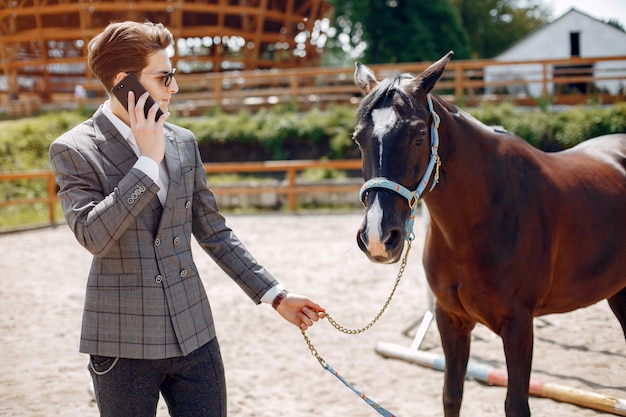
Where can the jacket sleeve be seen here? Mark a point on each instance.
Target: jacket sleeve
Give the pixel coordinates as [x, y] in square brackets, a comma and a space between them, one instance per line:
[97, 213]
[221, 243]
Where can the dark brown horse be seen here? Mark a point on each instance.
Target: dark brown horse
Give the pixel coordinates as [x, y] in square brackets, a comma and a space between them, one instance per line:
[514, 232]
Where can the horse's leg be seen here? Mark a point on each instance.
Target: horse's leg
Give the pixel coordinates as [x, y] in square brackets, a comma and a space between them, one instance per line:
[618, 306]
[455, 340]
[517, 337]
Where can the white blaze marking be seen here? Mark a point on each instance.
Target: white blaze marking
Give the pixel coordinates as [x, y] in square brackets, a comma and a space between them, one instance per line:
[374, 229]
[384, 119]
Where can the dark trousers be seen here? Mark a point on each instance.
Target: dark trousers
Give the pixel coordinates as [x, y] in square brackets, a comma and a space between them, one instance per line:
[192, 385]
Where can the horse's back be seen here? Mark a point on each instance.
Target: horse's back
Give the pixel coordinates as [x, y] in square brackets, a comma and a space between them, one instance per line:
[609, 149]
[597, 164]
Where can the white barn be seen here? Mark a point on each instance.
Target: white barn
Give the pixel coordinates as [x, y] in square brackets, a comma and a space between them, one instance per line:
[573, 34]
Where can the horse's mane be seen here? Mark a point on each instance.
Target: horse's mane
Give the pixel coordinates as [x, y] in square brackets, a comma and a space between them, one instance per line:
[457, 111]
[385, 89]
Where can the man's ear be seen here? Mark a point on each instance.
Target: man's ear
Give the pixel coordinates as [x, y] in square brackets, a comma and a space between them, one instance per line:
[119, 77]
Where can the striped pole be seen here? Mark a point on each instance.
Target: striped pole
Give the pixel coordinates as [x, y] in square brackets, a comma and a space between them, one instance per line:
[493, 376]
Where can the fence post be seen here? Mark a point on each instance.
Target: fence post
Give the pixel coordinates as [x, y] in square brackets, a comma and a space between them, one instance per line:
[293, 88]
[291, 190]
[544, 79]
[217, 90]
[458, 81]
[52, 196]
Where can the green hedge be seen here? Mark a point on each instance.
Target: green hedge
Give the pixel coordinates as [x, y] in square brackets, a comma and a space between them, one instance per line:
[24, 143]
[274, 135]
[285, 134]
[554, 131]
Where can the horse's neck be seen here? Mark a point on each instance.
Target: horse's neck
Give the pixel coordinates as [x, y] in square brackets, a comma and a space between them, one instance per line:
[466, 145]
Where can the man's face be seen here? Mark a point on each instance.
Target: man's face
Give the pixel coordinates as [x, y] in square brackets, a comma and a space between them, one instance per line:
[152, 78]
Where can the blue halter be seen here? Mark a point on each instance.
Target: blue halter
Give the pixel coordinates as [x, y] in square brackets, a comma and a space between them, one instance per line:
[413, 197]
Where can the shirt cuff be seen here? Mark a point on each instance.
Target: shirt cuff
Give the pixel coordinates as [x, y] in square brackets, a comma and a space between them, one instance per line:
[269, 296]
[148, 167]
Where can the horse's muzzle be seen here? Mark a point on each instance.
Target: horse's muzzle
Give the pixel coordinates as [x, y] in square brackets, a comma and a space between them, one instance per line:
[385, 249]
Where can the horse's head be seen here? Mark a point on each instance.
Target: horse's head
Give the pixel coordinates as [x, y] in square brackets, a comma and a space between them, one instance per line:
[396, 132]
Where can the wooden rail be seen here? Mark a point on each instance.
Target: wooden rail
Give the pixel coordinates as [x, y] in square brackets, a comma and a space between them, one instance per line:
[291, 169]
[50, 198]
[292, 189]
[465, 81]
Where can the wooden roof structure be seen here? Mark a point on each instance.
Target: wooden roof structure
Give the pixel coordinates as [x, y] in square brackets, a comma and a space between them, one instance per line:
[43, 43]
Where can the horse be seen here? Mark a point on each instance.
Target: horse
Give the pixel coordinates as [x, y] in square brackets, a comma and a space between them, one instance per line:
[514, 232]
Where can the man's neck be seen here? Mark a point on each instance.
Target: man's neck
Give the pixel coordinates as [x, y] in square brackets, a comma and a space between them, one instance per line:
[119, 111]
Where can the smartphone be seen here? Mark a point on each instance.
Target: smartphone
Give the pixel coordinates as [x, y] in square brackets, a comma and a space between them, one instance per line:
[131, 83]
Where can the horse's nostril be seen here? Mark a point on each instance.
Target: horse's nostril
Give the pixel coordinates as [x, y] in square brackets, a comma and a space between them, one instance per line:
[361, 239]
[392, 239]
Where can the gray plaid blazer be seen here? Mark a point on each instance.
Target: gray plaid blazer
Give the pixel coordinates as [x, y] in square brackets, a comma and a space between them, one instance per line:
[144, 297]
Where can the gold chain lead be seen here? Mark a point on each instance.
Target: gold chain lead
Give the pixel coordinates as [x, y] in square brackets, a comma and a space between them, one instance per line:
[343, 329]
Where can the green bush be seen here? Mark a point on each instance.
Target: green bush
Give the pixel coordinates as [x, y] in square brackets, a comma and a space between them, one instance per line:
[276, 131]
[551, 130]
[281, 133]
[24, 143]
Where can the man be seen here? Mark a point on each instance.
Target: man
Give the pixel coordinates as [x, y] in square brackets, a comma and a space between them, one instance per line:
[133, 191]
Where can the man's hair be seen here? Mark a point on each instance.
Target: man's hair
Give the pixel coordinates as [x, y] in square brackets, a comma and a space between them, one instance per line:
[125, 47]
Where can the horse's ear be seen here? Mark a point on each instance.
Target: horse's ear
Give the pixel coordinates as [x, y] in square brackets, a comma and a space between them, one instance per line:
[364, 78]
[430, 76]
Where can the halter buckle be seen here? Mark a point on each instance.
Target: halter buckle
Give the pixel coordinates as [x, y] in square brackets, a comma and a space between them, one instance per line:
[413, 200]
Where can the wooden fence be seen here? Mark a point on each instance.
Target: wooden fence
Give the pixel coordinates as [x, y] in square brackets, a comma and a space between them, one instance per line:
[49, 199]
[464, 81]
[291, 188]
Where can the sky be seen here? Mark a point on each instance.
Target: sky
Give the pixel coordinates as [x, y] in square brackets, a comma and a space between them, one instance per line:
[600, 9]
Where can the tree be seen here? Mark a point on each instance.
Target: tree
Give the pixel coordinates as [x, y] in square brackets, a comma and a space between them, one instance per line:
[495, 25]
[384, 31]
[616, 23]
[399, 30]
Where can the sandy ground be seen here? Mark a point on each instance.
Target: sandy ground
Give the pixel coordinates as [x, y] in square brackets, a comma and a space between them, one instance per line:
[269, 369]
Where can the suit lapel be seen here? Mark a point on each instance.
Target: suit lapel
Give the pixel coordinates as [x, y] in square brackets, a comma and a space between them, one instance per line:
[172, 162]
[171, 155]
[113, 146]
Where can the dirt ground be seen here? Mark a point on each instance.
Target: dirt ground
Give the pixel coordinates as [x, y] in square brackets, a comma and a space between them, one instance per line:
[269, 369]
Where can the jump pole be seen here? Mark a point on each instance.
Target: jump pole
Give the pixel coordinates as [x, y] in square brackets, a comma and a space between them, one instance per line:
[493, 376]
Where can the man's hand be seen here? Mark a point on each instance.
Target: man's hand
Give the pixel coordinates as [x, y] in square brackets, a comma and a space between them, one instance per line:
[300, 311]
[148, 133]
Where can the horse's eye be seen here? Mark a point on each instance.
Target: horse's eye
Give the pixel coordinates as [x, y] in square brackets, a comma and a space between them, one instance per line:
[355, 135]
[421, 136]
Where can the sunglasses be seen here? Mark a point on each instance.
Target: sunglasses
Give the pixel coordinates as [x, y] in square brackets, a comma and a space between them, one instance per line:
[167, 76]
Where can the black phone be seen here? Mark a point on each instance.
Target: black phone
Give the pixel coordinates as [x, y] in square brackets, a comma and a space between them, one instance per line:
[131, 83]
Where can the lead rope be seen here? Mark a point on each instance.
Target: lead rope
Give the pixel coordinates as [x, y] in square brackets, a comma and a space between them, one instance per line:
[381, 410]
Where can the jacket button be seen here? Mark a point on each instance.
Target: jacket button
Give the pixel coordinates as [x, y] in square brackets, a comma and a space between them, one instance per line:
[158, 279]
[176, 240]
[157, 242]
[183, 273]
[188, 204]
